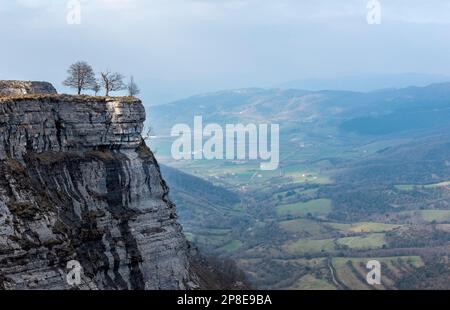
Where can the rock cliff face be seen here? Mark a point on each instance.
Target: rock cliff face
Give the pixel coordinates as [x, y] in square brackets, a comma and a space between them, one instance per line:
[8, 88]
[77, 182]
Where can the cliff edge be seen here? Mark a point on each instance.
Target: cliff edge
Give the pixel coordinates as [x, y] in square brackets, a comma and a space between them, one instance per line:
[77, 182]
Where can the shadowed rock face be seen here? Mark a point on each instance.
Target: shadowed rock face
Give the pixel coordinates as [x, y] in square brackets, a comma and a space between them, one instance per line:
[12, 88]
[77, 182]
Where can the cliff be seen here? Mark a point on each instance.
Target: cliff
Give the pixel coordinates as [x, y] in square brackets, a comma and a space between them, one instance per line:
[77, 182]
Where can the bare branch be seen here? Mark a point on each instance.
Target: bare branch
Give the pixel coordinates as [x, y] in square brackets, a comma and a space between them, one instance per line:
[111, 82]
[81, 77]
[133, 89]
[96, 88]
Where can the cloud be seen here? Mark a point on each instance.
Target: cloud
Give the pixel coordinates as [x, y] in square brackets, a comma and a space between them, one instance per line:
[231, 41]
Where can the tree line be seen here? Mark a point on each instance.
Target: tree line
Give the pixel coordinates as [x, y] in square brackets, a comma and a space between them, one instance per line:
[81, 77]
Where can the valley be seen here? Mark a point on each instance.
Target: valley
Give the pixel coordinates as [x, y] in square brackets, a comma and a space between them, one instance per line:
[343, 195]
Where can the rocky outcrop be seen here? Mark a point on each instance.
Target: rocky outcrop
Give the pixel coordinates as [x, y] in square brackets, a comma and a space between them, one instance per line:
[77, 182]
[8, 88]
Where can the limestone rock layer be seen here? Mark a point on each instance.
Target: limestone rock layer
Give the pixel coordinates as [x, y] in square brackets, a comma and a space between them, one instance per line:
[77, 182]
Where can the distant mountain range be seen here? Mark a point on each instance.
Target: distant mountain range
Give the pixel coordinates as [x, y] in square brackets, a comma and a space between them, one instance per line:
[156, 91]
[368, 82]
[373, 113]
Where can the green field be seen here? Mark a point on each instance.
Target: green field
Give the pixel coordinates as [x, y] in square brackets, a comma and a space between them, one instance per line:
[316, 207]
[303, 226]
[309, 282]
[305, 177]
[305, 246]
[440, 216]
[435, 215]
[371, 241]
[364, 227]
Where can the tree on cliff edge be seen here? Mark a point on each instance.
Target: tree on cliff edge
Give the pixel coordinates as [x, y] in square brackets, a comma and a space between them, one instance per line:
[133, 89]
[111, 82]
[96, 88]
[81, 77]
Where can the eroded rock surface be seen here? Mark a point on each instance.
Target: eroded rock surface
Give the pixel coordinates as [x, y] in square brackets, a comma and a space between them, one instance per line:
[8, 88]
[77, 182]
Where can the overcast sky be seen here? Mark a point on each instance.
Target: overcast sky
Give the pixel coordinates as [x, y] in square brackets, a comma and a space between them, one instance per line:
[215, 44]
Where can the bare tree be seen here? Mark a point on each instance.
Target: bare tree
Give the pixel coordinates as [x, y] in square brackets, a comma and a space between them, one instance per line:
[148, 133]
[96, 88]
[133, 89]
[81, 76]
[111, 82]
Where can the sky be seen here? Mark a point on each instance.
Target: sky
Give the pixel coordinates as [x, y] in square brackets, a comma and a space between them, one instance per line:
[176, 48]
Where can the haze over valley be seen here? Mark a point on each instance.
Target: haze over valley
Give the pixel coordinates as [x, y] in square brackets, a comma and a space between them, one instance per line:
[361, 175]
